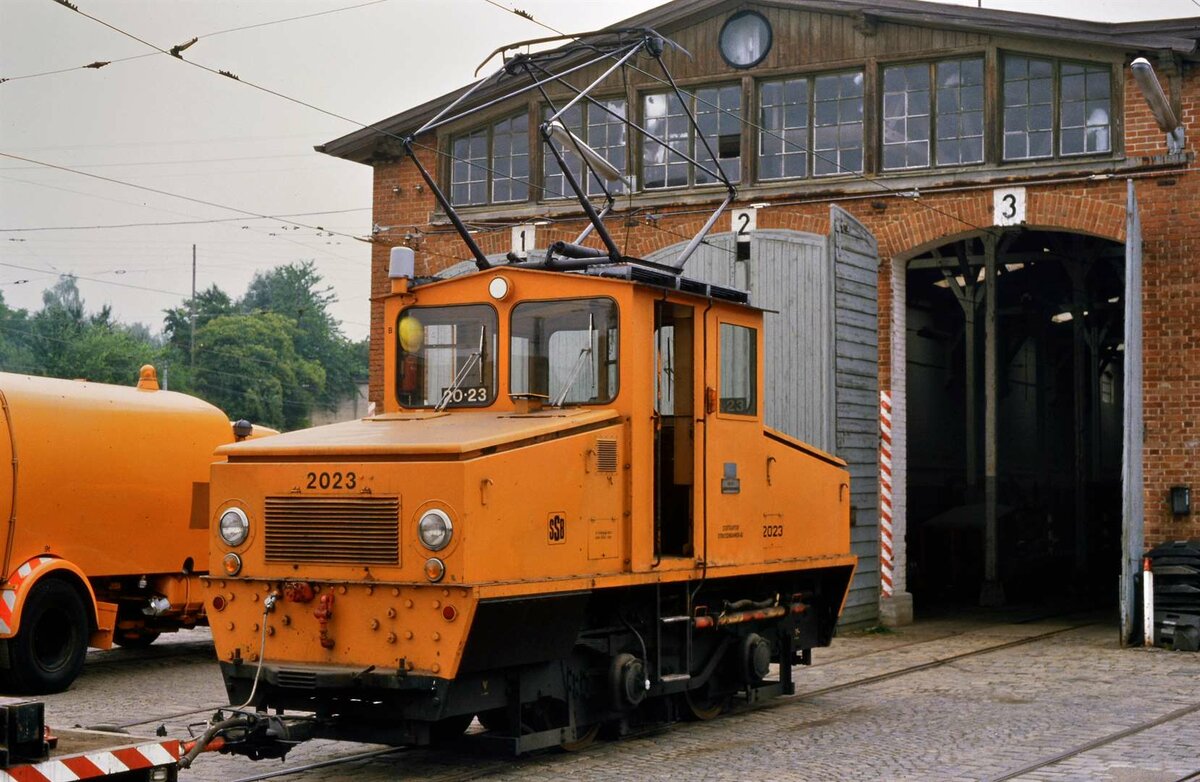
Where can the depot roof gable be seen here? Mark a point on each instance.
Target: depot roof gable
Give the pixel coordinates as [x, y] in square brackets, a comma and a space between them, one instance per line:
[1176, 36]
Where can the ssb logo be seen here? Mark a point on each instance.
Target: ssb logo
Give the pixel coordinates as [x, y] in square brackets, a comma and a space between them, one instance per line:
[556, 529]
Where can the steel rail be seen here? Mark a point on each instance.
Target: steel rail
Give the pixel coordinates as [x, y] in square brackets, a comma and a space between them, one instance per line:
[327, 763]
[1100, 742]
[939, 662]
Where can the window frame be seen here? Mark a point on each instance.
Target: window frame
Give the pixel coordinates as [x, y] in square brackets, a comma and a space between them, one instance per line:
[546, 158]
[1116, 109]
[694, 148]
[809, 152]
[489, 128]
[881, 168]
[616, 391]
[496, 374]
[756, 369]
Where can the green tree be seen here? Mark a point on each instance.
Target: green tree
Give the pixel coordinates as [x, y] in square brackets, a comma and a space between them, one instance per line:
[297, 292]
[64, 341]
[247, 365]
[177, 325]
[15, 355]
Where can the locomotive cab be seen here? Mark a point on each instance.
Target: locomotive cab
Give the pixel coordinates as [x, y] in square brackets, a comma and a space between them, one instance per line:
[568, 513]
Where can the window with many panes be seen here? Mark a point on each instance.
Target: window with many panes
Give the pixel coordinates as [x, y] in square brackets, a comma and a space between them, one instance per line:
[501, 175]
[1055, 108]
[718, 112]
[824, 114]
[601, 127]
[838, 124]
[933, 112]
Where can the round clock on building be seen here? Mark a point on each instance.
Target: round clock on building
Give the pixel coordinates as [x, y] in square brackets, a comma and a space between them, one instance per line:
[745, 39]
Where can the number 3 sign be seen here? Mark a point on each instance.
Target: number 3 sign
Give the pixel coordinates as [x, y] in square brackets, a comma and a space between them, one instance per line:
[1008, 206]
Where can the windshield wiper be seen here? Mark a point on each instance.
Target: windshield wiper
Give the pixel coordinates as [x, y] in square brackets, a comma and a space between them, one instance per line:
[475, 356]
[584, 354]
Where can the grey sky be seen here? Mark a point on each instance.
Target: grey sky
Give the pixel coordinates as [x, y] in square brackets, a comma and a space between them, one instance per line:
[161, 123]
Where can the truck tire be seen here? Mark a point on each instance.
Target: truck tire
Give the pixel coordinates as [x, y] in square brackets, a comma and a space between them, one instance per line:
[47, 652]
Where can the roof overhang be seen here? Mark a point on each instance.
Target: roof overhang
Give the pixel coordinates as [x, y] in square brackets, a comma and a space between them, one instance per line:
[1171, 36]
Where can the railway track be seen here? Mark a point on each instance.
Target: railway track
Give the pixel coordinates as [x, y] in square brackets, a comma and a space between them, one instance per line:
[1103, 741]
[491, 767]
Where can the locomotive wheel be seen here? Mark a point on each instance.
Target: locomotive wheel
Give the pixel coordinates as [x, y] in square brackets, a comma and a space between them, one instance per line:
[47, 653]
[702, 705]
[583, 739]
[135, 639]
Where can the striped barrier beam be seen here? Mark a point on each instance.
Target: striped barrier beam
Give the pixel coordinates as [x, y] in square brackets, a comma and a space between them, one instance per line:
[96, 765]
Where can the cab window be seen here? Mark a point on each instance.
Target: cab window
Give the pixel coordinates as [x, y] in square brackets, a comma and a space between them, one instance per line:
[565, 351]
[446, 353]
[739, 369]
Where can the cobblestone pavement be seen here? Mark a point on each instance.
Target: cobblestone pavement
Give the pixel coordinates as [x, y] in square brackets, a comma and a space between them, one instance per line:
[983, 717]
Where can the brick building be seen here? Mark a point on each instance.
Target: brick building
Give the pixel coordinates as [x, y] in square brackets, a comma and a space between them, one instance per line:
[975, 147]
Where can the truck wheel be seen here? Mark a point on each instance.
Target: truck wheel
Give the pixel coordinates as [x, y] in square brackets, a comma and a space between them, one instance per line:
[47, 653]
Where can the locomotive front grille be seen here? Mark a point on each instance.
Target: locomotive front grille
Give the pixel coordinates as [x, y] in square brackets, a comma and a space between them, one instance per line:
[354, 530]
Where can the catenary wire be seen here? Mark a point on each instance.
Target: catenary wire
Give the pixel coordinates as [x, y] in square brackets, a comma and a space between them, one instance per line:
[182, 222]
[381, 131]
[754, 126]
[157, 191]
[97, 64]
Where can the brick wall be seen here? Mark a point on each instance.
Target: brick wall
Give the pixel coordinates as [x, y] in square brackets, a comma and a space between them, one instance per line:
[1171, 231]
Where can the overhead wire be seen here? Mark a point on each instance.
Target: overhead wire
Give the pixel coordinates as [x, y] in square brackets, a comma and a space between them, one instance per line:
[182, 222]
[97, 64]
[381, 131]
[755, 126]
[158, 191]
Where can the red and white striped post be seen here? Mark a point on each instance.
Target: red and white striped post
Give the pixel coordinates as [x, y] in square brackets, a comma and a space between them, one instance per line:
[886, 557]
[1147, 603]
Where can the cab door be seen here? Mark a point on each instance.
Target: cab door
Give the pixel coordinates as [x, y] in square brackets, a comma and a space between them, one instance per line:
[676, 333]
[733, 453]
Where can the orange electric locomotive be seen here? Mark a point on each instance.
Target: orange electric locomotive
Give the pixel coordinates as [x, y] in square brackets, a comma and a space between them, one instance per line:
[568, 513]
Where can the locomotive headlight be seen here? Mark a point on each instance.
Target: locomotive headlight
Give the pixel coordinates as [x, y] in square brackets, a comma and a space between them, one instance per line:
[435, 569]
[435, 530]
[234, 526]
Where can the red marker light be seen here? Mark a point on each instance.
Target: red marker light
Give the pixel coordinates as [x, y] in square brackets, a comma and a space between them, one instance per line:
[449, 613]
[218, 603]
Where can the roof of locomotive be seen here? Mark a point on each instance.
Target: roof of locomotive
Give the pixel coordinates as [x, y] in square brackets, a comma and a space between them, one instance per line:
[633, 271]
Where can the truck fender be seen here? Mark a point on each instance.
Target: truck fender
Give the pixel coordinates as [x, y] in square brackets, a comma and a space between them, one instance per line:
[102, 616]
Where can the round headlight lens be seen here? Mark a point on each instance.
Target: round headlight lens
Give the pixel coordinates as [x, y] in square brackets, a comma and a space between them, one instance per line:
[435, 569]
[232, 564]
[435, 530]
[234, 526]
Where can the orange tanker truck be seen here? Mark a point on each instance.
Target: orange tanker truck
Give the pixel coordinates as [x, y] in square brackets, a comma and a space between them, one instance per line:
[105, 506]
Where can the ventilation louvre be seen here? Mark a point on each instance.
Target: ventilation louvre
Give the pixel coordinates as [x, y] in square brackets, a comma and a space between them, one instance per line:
[606, 455]
[351, 530]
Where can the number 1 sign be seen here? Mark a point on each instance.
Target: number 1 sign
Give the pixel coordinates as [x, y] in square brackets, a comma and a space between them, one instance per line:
[523, 237]
[1008, 206]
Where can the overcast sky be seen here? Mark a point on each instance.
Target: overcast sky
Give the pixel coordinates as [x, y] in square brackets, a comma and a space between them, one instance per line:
[163, 124]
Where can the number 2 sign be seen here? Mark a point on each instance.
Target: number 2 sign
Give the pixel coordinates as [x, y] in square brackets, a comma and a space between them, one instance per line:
[744, 223]
[1008, 206]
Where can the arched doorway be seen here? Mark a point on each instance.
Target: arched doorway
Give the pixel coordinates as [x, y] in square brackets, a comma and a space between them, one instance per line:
[1051, 527]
